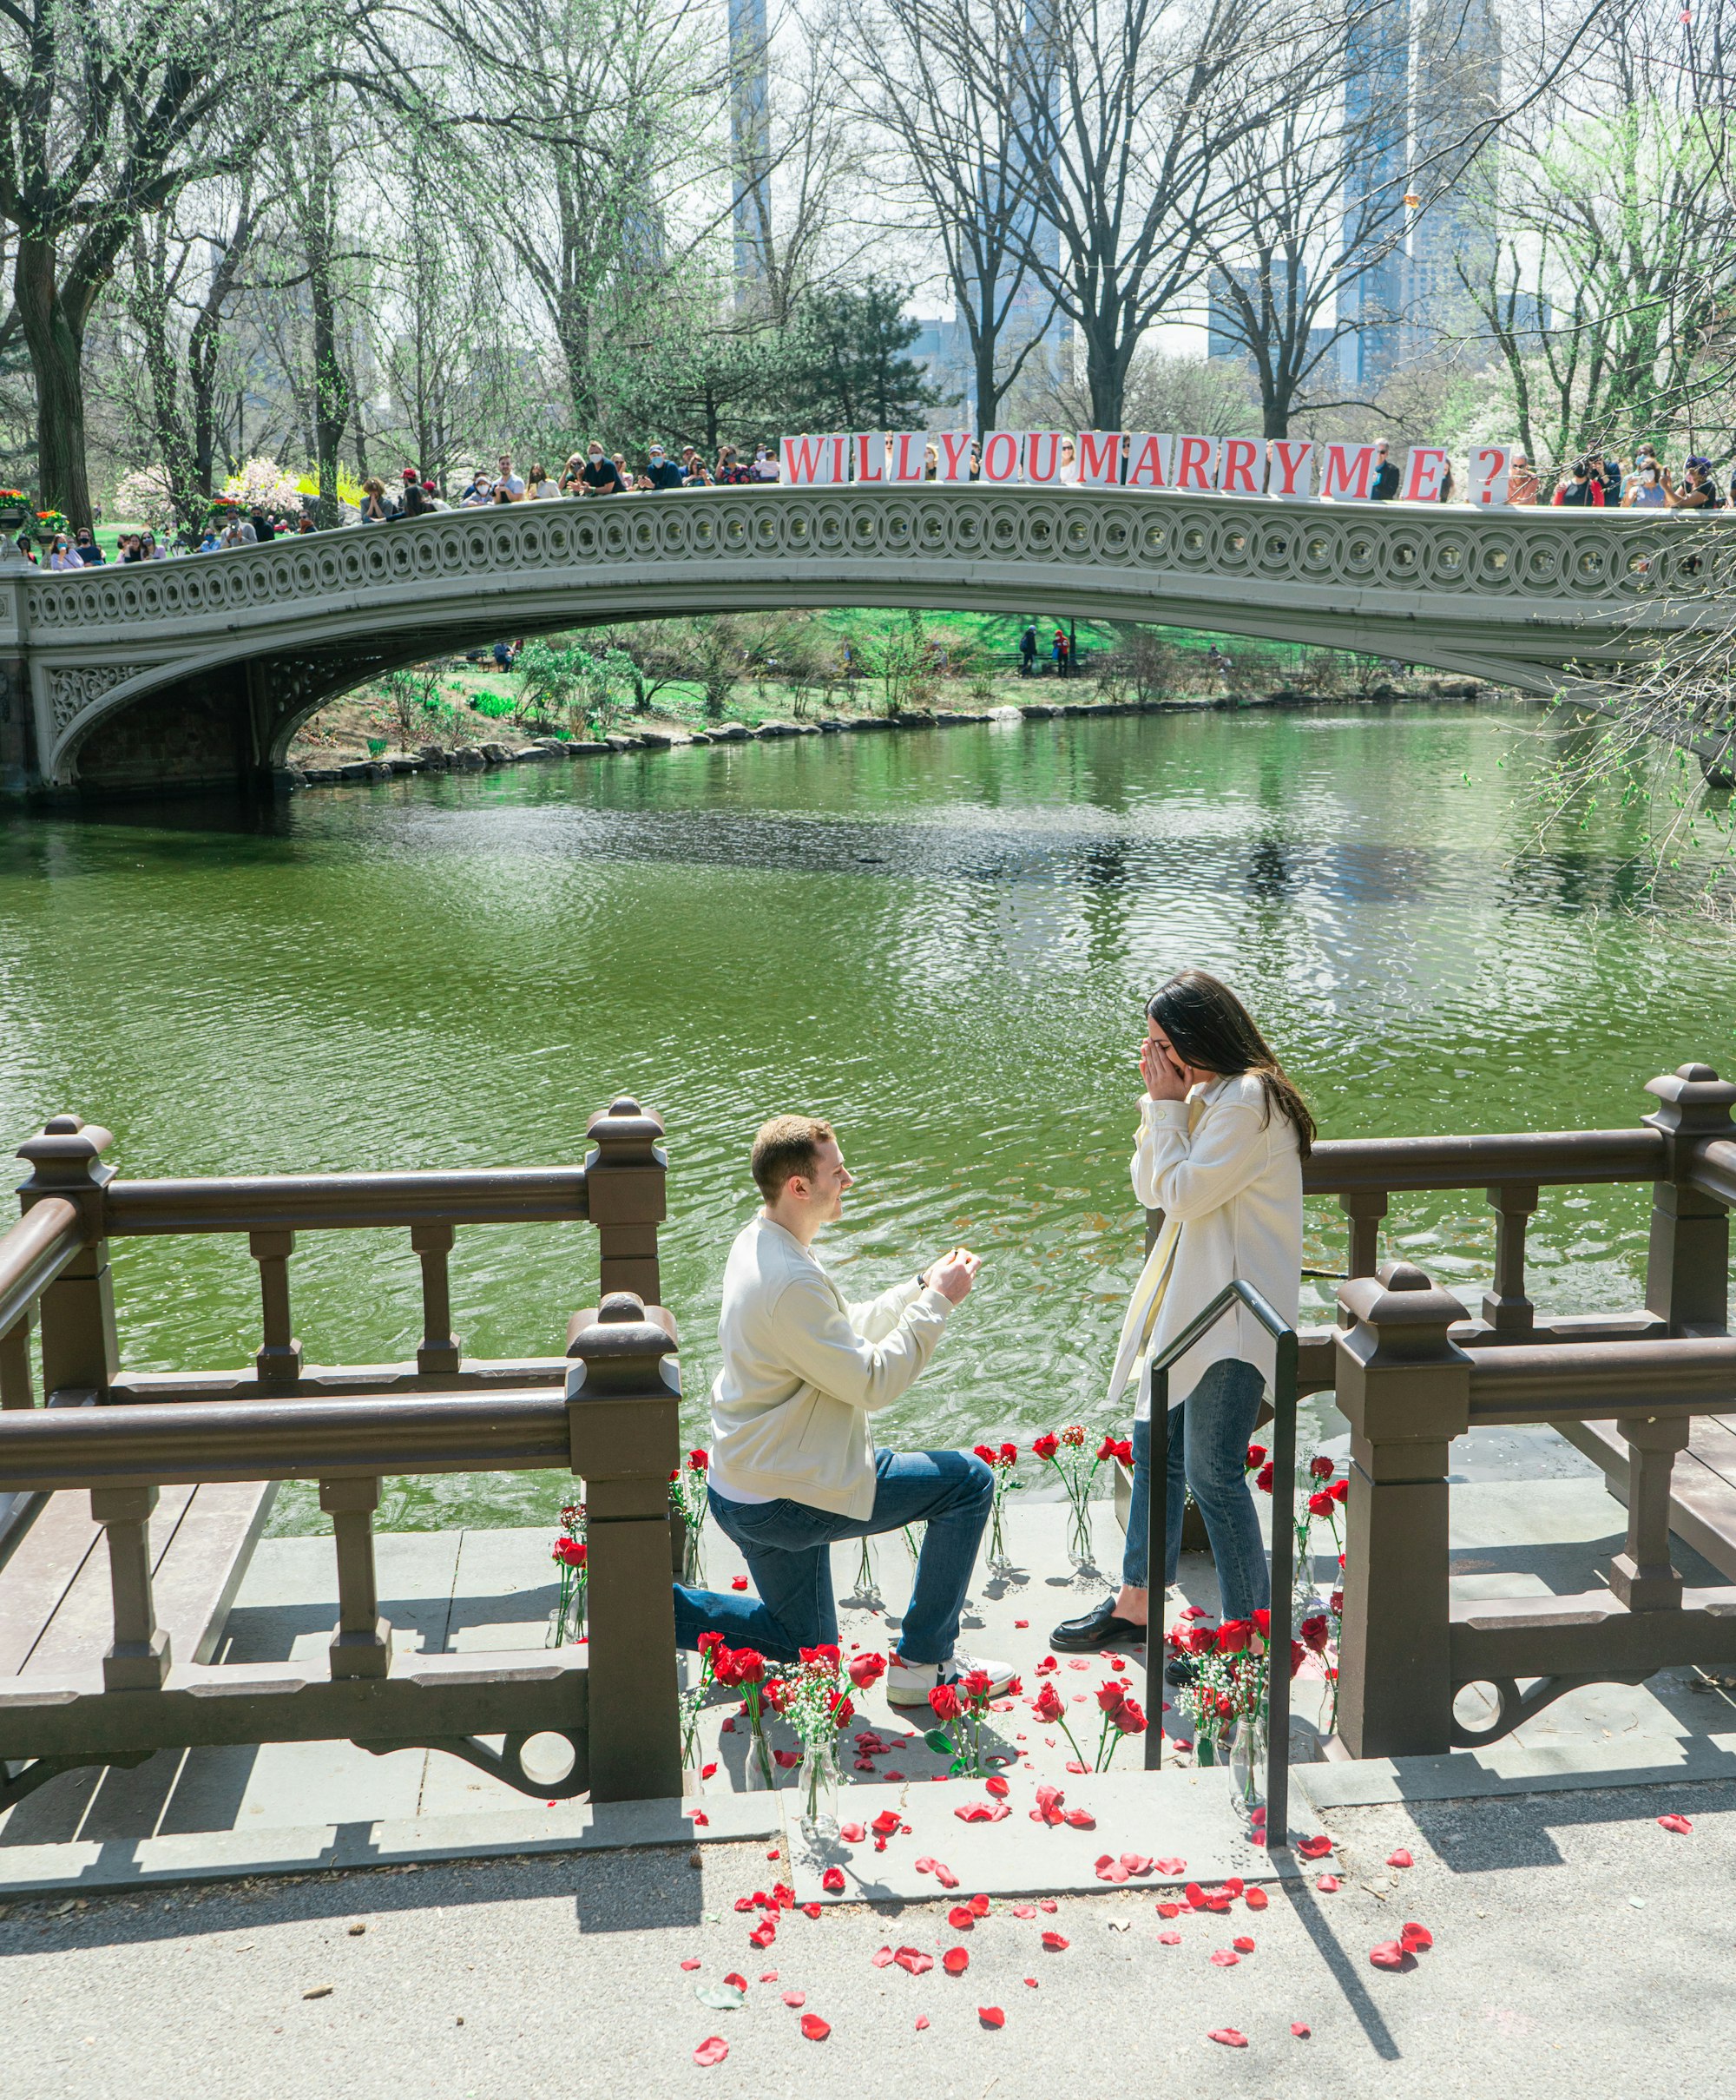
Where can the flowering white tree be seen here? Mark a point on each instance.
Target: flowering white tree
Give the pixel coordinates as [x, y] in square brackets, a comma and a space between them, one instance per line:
[145, 495]
[262, 484]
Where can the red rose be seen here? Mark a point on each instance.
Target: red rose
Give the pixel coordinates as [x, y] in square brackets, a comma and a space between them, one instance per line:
[1320, 1503]
[1009, 1454]
[571, 1551]
[866, 1671]
[1316, 1632]
[978, 1684]
[945, 1702]
[1256, 1457]
[1106, 1449]
[1335, 1604]
[1263, 1478]
[1262, 1623]
[774, 1693]
[697, 1461]
[843, 1713]
[1200, 1639]
[1046, 1446]
[1110, 1695]
[826, 1652]
[1128, 1717]
[1046, 1704]
[1340, 1490]
[984, 1452]
[1232, 1637]
[1321, 1469]
[1296, 1652]
[1226, 1706]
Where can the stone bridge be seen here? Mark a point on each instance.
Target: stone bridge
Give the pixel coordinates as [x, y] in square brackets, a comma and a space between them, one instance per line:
[197, 673]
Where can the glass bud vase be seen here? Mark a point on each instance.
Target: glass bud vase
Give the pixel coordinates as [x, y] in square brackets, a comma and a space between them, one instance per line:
[1079, 1536]
[818, 1780]
[692, 1557]
[1000, 1561]
[762, 1772]
[1247, 1765]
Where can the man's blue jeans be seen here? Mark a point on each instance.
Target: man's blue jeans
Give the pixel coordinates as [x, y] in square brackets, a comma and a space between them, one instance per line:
[788, 1546]
[1208, 1441]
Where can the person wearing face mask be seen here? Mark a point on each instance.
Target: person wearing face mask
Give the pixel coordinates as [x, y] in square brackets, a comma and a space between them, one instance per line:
[1646, 490]
[599, 475]
[1222, 1135]
[661, 471]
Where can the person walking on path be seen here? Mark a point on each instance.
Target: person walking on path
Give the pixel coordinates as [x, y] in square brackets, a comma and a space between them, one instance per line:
[1028, 651]
[1222, 1136]
[792, 1464]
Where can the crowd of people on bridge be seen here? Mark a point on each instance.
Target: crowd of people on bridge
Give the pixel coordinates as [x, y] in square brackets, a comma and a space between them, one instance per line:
[1595, 481]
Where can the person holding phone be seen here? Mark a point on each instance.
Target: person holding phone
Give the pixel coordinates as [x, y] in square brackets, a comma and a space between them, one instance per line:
[1222, 1135]
[792, 1464]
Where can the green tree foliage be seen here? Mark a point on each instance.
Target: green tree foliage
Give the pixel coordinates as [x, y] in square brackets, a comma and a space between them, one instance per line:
[850, 367]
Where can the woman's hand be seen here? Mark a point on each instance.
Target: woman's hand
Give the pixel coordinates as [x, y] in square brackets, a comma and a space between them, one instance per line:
[1164, 1078]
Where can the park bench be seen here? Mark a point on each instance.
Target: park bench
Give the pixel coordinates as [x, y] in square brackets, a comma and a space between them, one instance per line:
[130, 1503]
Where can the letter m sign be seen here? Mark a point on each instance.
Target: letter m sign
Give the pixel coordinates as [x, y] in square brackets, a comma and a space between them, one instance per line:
[1350, 468]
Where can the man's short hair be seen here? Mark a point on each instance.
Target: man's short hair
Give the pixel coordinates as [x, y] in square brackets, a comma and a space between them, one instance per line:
[786, 1145]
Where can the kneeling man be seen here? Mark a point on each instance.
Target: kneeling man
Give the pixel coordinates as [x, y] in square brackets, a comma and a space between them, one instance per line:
[792, 1464]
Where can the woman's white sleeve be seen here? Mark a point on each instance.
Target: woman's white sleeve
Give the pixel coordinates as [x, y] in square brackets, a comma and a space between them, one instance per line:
[1186, 1177]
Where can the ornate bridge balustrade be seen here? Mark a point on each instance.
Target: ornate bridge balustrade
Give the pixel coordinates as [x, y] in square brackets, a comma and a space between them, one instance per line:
[202, 671]
[606, 1410]
[1633, 1389]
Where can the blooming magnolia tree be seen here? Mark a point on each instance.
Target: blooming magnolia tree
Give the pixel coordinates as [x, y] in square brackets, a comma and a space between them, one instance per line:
[262, 484]
[145, 495]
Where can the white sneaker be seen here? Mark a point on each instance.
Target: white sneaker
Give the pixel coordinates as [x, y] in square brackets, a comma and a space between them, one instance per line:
[909, 1683]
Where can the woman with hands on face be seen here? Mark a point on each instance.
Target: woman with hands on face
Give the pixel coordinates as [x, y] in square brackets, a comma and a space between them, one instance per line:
[1223, 1133]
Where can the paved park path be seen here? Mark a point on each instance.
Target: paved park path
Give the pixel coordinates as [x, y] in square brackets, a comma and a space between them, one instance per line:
[1579, 1948]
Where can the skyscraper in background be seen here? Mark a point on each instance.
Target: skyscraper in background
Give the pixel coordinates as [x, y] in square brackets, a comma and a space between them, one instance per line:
[750, 143]
[1372, 293]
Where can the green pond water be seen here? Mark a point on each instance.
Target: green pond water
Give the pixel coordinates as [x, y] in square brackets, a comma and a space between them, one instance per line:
[943, 942]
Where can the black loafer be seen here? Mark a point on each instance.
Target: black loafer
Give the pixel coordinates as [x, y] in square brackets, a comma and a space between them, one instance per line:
[1102, 1628]
[1181, 1671]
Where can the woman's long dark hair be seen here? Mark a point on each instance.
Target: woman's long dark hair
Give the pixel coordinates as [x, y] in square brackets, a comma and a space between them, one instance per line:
[1208, 1026]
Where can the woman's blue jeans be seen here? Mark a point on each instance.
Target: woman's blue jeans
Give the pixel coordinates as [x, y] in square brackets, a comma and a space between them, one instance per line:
[1208, 1441]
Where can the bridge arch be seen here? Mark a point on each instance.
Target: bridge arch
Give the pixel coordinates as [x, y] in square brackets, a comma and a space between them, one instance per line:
[199, 672]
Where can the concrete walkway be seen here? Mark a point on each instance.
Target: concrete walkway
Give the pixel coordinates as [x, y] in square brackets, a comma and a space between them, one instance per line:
[1580, 1950]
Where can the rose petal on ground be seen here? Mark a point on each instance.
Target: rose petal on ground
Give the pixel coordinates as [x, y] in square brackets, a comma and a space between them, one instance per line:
[1255, 1899]
[1169, 1909]
[921, 2021]
[977, 1905]
[1416, 1938]
[881, 1957]
[810, 1910]
[813, 2028]
[1195, 1895]
[914, 1961]
[864, 1764]
[713, 2049]
[852, 1833]
[996, 1786]
[1056, 1942]
[1021, 1622]
[1401, 1858]
[1313, 1848]
[1231, 2037]
[738, 1582]
[1114, 1871]
[763, 1933]
[736, 1977]
[1328, 1885]
[1301, 2030]
[1080, 1819]
[696, 1815]
[796, 1999]
[925, 1866]
[1170, 1866]
[1032, 1982]
[1243, 1945]
[1048, 1904]
[1074, 1765]
[1169, 1939]
[1222, 1959]
[1388, 1955]
[885, 1823]
[1137, 1862]
[1025, 1910]
[832, 1880]
[944, 1875]
[956, 1960]
[692, 1964]
[961, 1919]
[770, 1977]
[1678, 1824]
[991, 2015]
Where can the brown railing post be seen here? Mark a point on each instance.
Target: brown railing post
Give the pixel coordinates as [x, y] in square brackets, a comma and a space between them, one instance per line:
[1644, 1578]
[1687, 1264]
[622, 1398]
[80, 1350]
[279, 1361]
[1364, 1207]
[1406, 1389]
[625, 1197]
[361, 1641]
[440, 1349]
[1507, 1308]
[138, 1660]
[15, 1364]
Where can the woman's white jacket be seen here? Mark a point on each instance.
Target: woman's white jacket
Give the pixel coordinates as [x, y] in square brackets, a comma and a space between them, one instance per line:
[1228, 1176]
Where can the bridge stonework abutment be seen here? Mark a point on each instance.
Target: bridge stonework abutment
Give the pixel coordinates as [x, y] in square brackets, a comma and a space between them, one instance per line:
[18, 768]
[197, 736]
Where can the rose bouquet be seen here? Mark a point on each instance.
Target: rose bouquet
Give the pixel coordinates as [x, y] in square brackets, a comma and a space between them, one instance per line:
[1321, 1495]
[1227, 1697]
[966, 1702]
[1069, 1452]
[812, 1698]
[687, 1500]
[1122, 1716]
[743, 1669]
[1003, 1462]
[571, 1555]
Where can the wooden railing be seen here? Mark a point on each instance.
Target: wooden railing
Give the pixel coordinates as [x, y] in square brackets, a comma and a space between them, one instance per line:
[606, 1409]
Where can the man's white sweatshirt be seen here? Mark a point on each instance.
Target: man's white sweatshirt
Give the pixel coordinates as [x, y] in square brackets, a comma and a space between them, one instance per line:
[803, 1370]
